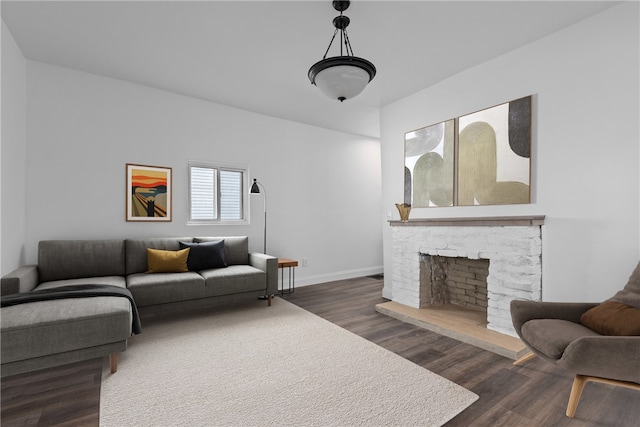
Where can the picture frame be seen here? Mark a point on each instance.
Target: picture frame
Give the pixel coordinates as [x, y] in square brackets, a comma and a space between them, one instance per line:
[481, 158]
[494, 155]
[148, 193]
[429, 158]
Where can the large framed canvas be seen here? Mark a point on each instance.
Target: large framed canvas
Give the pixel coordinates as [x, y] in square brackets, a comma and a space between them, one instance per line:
[148, 193]
[429, 165]
[494, 155]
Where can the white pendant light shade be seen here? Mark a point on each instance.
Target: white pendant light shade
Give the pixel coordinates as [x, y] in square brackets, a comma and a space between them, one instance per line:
[345, 76]
[342, 81]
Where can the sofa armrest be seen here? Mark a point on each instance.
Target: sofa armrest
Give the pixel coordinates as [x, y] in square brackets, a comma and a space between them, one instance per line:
[522, 311]
[614, 357]
[22, 279]
[268, 264]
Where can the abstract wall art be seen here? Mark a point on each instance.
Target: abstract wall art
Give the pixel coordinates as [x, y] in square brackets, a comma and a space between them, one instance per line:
[494, 147]
[482, 158]
[428, 162]
[148, 193]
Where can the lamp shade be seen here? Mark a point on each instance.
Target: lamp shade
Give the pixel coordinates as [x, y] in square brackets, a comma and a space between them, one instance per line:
[254, 187]
[342, 77]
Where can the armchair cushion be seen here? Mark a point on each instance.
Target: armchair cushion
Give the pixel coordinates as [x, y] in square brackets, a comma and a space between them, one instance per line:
[613, 318]
[552, 336]
[522, 311]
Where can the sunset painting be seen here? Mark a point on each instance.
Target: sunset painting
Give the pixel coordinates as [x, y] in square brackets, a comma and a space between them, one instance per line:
[148, 193]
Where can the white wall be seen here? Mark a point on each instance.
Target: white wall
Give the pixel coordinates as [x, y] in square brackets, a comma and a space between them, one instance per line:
[323, 186]
[585, 83]
[13, 149]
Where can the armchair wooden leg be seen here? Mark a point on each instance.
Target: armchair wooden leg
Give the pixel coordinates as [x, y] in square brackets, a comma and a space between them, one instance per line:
[576, 391]
[113, 362]
[269, 300]
[524, 358]
[579, 383]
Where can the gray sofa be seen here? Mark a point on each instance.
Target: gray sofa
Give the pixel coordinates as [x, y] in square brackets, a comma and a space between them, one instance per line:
[42, 334]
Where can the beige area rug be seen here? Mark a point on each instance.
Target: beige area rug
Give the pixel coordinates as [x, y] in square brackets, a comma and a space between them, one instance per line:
[269, 366]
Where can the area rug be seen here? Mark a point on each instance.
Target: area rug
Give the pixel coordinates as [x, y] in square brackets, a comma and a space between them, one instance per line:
[255, 365]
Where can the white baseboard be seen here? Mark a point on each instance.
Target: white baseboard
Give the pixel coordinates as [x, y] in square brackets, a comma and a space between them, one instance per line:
[332, 277]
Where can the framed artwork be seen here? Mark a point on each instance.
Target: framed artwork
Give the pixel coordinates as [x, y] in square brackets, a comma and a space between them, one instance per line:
[494, 161]
[482, 158]
[148, 193]
[429, 165]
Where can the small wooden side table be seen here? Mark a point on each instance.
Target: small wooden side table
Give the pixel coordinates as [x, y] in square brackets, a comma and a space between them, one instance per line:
[291, 264]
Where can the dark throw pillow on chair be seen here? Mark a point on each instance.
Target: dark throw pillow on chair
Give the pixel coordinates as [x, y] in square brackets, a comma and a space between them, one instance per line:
[206, 255]
[612, 318]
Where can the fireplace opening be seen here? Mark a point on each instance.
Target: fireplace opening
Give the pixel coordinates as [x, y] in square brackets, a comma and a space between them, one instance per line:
[452, 280]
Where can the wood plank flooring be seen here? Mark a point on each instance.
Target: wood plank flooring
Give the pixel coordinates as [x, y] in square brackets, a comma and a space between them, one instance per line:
[64, 396]
[535, 394]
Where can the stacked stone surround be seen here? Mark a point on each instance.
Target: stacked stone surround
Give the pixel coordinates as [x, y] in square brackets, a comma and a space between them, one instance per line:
[515, 263]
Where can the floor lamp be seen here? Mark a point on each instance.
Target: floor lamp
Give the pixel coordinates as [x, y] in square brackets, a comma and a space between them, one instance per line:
[255, 189]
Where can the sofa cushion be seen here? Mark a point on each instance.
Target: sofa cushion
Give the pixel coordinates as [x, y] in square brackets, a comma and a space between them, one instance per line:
[612, 318]
[234, 279]
[72, 259]
[205, 255]
[552, 336]
[236, 248]
[43, 328]
[106, 280]
[161, 261]
[136, 251]
[161, 288]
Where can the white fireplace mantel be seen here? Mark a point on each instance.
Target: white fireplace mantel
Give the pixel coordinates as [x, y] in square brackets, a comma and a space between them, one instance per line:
[491, 221]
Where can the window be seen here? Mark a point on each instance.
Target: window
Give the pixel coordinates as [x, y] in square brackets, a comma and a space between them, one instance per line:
[216, 193]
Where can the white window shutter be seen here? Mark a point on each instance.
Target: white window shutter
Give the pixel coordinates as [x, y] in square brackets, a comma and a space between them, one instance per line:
[203, 193]
[230, 195]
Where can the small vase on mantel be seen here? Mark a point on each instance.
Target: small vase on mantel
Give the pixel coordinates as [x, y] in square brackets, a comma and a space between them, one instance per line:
[404, 210]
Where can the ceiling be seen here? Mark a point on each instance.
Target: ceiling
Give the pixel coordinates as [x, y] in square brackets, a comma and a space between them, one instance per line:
[255, 55]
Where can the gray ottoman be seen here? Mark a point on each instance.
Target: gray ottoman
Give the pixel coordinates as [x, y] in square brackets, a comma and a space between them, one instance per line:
[43, 334]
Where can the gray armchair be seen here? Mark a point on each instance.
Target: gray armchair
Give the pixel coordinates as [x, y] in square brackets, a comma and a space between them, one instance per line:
[554, 332]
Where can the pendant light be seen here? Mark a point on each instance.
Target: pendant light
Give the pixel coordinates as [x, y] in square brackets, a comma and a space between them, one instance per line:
[345, 76]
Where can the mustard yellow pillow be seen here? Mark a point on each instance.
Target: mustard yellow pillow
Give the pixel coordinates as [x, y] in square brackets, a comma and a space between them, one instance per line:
[159, 261]
[612, 318]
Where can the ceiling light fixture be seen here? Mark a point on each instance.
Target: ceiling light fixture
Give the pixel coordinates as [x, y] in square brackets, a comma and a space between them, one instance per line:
[345, 76]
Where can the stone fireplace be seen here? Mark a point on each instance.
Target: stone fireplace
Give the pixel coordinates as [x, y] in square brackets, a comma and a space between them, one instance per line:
[510, 246]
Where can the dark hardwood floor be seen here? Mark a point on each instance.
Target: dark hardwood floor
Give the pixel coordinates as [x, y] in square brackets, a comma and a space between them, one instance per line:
[531, 395]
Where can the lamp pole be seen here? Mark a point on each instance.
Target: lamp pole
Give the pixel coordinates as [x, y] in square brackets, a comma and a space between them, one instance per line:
[255, 189]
